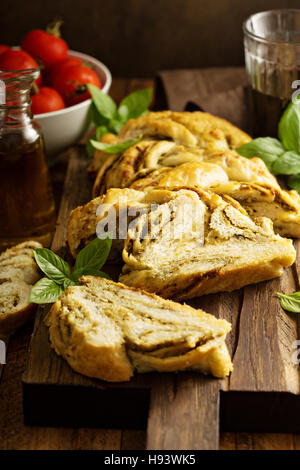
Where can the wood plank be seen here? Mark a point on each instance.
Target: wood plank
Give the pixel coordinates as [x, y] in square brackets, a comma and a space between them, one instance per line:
[244, 441]
[133, 440]
[184, 413]
[227, 441]
[270, 441]
[262, 360]
[296, 441]
[15, 435]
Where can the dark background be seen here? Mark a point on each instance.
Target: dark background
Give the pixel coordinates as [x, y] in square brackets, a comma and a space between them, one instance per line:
[139, 37]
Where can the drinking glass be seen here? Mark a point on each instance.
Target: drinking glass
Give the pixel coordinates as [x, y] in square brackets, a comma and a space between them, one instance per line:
[272, 55]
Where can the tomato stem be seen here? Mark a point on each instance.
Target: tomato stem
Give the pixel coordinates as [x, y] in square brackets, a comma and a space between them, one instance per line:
[54, 28]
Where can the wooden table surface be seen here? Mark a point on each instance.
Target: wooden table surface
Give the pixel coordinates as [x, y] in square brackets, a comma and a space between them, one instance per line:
[13, 433]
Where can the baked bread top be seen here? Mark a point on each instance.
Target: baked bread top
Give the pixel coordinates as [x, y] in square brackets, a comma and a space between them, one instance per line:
[169, 139]
[191, 129]
[107, 330]
[197, 129]
[18, 273]
[121, 171]
[185, 242]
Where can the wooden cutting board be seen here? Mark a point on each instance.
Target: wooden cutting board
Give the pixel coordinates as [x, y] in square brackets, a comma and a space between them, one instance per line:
[184, 410]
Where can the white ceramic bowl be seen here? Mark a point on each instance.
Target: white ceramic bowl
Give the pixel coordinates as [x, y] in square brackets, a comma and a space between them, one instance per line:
[63, 128]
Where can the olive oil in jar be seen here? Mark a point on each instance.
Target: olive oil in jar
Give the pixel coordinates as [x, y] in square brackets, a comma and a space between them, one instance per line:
[27, 209]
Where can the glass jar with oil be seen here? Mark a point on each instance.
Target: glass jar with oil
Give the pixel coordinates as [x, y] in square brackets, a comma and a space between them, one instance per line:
[27, 209]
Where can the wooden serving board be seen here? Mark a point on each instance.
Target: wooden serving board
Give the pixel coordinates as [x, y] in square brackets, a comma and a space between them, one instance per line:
[184, 410]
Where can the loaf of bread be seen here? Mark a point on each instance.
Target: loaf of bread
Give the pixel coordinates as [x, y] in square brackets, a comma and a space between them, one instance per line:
[106, 330]
[186, 242]
[18, 273]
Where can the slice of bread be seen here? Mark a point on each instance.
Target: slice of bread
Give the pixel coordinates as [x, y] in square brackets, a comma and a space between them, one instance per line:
[106, 330]
[229, 250]
[18, 273]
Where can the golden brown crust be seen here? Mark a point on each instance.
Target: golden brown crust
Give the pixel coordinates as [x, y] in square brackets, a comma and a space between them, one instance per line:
[81, 226]
[182, 288]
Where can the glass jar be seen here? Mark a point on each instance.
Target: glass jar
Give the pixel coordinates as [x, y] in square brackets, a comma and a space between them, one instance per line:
[272, 55]
[27, 209]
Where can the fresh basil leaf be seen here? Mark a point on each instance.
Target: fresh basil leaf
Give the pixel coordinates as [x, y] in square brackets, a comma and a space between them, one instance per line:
[45, 291]
[266, 148]
[52, 265]
[92, 256]
[89, 272]
[101, 131]
[67, 283]
[289, 127]
[89, 149]
[116, 125]
[96, 118]
[135, 104]
[114, 148]
[290, 302]
[287, 164]
[294, 182]
[104, 104]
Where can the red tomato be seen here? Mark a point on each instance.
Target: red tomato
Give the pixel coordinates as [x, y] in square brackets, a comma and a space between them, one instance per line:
[4, 48]
[69, 62]
[71, 83]
[46, 100]
[18, 60]
[45, 47]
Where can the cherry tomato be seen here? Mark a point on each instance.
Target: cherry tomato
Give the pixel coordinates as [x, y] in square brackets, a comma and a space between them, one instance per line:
[45, 47]
[18, 60]
[46, 100]
[71, 83]
[69, 62]
[4, 48]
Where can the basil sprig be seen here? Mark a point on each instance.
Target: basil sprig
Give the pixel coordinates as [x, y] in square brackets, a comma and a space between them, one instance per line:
[290, 302]
[114, 148]
[106, 117]
[282, 155]
[59, 276]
